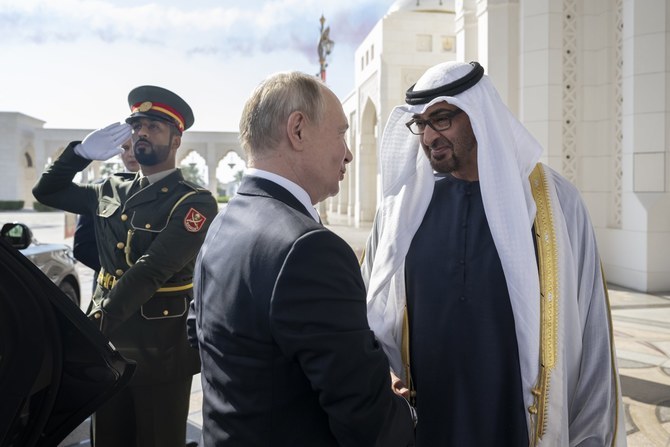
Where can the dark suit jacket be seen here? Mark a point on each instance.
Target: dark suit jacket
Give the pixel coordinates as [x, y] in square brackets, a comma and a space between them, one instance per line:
[288, 358]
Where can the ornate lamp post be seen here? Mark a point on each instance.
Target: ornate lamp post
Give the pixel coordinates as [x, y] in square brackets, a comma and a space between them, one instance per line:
[324, 48]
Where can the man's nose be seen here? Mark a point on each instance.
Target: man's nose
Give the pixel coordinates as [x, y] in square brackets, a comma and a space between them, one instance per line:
[429, 135]
[141, 130]
[348, 156]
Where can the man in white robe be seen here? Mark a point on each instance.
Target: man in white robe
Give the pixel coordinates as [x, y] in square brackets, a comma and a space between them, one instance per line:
[561, 317]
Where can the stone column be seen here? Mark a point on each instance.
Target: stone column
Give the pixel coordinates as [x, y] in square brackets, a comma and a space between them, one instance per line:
[498, 35]
[212, 162]
[366, 167]
[466, 30]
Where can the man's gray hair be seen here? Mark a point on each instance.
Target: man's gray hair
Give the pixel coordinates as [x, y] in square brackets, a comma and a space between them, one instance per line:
[267, 110]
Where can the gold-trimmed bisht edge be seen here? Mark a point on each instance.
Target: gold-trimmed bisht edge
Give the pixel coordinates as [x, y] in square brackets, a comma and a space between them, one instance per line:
[547, 253]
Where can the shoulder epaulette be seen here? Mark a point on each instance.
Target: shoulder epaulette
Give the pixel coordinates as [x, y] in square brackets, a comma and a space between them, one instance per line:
[194, 186]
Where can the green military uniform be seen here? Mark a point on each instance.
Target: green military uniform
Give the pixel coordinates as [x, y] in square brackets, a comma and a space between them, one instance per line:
[147, 242]
[148, 238]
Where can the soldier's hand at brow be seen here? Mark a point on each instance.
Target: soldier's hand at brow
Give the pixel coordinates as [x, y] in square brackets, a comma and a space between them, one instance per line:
[103, 144]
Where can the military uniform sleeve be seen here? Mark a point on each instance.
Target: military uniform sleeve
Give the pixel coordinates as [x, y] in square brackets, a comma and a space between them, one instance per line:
[56, 189]
[170, 251]
[84, 246]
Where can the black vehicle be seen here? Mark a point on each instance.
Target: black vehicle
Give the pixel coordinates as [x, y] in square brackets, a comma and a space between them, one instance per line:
[56, 367]
[55, 260]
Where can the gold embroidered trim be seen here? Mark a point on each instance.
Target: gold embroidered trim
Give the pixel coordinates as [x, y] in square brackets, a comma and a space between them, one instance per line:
[547, 253]
[612, 356]
[405, 357]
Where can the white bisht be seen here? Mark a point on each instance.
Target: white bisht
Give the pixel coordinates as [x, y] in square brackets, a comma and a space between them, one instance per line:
[584, 401]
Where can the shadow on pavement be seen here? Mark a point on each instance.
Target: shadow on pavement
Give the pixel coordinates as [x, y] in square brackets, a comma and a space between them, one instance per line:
[645, 391]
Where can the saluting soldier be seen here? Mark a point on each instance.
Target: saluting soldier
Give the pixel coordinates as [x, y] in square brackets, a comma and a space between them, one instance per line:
[149, 227]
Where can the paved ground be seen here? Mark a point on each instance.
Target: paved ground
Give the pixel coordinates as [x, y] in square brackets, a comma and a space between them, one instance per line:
[641, 330]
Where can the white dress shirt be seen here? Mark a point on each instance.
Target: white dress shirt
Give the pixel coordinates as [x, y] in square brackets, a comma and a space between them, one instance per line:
[293, 188]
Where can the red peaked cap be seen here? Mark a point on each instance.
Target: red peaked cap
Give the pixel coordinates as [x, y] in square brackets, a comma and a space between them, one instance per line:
[149, 101]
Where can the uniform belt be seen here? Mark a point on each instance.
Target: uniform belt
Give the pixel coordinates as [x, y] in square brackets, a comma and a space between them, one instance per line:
[108, 281]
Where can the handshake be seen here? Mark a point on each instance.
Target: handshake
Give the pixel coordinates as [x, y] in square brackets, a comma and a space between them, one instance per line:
[103, 144]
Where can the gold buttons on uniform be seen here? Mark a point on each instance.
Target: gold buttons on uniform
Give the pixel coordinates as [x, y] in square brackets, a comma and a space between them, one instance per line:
[97, 315]
[164, 189]
[147, 226]
[120, 245]
[119, 272]
[165, 312]
[124, 217]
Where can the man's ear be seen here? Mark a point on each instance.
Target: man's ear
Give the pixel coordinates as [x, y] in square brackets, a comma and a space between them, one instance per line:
[176, 141]
[295, 128]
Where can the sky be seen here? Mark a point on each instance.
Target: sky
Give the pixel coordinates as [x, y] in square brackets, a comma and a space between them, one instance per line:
[71, 63]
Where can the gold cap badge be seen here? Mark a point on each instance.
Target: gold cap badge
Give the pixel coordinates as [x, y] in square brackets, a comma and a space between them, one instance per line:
[145, 106]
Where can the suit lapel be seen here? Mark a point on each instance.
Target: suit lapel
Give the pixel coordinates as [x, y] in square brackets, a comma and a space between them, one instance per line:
[257, 186]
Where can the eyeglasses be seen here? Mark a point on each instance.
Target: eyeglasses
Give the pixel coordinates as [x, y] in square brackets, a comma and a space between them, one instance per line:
[439, 122]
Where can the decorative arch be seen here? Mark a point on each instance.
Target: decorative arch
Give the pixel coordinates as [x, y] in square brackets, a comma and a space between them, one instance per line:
[228, 172]
[194, 160]
[212, 147]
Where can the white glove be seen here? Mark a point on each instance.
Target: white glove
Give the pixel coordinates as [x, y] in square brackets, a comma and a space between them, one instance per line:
[103, 144]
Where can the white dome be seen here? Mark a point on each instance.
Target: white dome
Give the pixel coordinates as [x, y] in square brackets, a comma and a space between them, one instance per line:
[422, 5]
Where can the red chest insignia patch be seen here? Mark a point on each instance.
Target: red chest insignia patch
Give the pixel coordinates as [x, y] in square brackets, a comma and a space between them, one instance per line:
[194, 220]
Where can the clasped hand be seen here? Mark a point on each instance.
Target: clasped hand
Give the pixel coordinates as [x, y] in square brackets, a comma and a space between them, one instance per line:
[103, 144]
[399, 387]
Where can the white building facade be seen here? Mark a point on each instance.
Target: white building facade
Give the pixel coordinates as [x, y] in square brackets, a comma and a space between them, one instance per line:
[590, 79]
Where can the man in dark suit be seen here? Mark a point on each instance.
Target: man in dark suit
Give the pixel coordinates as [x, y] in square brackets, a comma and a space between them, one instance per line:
[288, 358]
